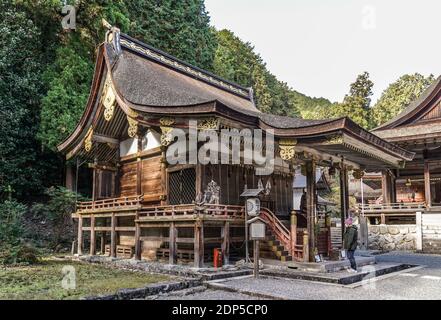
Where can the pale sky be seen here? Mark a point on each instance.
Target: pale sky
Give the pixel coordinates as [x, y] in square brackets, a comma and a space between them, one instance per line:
[319, 46]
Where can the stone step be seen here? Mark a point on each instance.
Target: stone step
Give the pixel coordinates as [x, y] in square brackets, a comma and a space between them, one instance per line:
[342, 277]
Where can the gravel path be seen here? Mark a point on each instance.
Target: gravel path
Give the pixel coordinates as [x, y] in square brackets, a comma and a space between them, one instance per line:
[424, 283]
[210, 295]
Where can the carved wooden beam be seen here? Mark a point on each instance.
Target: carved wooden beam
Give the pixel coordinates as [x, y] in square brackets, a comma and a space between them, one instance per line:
[104, 139]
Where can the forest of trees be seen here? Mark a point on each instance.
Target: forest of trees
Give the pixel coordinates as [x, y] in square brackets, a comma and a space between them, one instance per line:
[46, 71]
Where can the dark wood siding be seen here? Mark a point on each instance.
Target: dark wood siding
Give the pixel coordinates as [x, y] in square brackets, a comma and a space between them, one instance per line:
[128, 179]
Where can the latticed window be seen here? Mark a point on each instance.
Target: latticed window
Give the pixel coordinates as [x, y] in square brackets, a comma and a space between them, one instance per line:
[182, 186]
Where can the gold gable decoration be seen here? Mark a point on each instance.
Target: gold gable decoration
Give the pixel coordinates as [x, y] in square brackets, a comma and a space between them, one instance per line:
[287, 148]
[166, 129]
[108, 99]
[211, 123]
[88, 140]
[334, 140]
[133, 127]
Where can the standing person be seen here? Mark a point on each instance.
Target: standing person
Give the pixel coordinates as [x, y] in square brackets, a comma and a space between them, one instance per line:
[350, 242]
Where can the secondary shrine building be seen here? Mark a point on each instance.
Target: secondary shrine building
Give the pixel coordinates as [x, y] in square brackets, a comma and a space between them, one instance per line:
[415, 187]
[146, 207]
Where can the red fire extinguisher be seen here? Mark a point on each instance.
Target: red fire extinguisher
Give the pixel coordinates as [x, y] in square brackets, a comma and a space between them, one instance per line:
[217, 257]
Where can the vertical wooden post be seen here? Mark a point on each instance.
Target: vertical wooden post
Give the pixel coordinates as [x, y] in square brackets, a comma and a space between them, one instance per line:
[172, 244]
[103, 243]
[198, 179]
[393, 188]
[225, 234]
[344, 197]
[198, 244]
[427, 193]
[70, 177]
[95, 187]
[293, 232]
[113, 236]
[164, 178]
[92, 236]
[117, 173]
[137, 239]
[256, 258]
[419, 231]
[80, 236]
[311, 206]
[139, 167]
[305, 246]
[385, 187]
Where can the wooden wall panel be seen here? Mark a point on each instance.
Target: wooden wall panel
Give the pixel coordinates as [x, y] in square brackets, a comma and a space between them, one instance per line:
[151, 178]
[128, 179]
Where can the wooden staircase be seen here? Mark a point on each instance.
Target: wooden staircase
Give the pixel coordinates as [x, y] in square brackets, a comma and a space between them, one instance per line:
[277, 244]
[271, 248]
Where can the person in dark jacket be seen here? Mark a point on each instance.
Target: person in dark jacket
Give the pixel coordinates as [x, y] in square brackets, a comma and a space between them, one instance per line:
[350, 242]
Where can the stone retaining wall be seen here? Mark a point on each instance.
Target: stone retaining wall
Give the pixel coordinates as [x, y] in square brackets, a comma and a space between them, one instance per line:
[392, 237]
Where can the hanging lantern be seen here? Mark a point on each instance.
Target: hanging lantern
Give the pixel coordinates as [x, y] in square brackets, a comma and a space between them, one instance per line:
[408, 183]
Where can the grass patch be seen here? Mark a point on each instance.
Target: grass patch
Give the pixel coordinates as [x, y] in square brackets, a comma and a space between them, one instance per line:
[44, 281]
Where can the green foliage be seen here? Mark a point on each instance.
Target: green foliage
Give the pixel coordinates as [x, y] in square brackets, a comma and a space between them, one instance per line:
[310, 108]
[12, 248]
[356, 104]
[398, 96]
[57, 210]
[43, 281]
[180, 28]
[20, 92]
[11, 214]
[236, 60]
[69, 81]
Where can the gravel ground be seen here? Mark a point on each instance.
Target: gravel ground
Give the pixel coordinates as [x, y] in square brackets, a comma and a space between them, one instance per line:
[210, 295]
[424, 283]
[429, 260]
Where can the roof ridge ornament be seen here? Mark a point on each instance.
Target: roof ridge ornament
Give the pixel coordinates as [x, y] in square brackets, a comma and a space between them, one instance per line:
[112, 36]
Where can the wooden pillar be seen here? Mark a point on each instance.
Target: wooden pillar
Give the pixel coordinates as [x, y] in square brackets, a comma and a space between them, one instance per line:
[386, 187]
[139, 168]
[427, 193]
[172, 244]
[117, 173]
[164, 178]
[344, 197]
[393, 187]
[137, 239]
[80, 236]
[103, 243]
[92, 236]
[70, 177]
[311, 206]
[256, 258]
[113, 236]
[305, 246]
[293, 232]
[95, 176]
[225, 234]
[198, 244]
[198, 179]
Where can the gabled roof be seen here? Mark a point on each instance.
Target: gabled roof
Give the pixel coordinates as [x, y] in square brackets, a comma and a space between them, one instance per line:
[149, 84]
[416, 109]
[147, 76]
